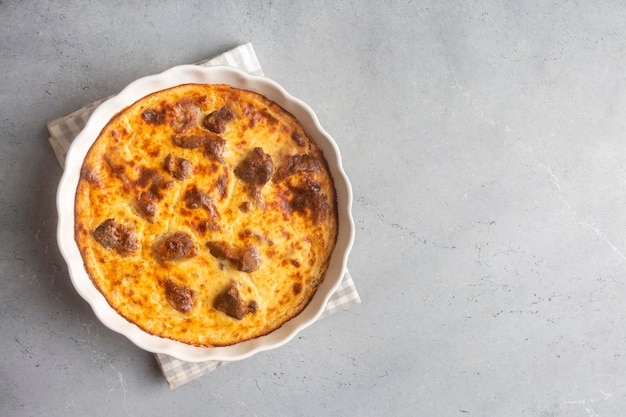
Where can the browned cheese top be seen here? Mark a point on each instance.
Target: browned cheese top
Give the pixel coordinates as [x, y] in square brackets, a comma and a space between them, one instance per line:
[205, 214]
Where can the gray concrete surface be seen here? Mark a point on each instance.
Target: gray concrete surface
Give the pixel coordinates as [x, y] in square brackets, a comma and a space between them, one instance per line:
[486, 146]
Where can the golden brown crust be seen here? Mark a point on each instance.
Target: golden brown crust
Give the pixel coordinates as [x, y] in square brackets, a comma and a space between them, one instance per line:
[205, 214]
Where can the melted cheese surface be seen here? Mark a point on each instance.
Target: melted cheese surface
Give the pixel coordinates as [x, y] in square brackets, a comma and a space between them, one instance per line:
[205, 214]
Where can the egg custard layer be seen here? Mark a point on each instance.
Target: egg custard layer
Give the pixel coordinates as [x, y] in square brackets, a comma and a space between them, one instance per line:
[205, 214]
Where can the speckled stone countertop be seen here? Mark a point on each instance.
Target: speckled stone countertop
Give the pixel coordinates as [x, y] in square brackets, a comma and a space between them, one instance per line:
[486, 147]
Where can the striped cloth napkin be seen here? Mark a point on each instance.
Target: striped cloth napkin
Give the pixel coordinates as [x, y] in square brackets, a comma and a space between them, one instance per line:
[64, 129]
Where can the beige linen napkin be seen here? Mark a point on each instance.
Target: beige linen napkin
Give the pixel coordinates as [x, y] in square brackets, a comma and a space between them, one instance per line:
[64, 129]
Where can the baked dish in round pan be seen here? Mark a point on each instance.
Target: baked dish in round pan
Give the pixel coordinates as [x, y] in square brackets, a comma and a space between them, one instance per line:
[204, 213]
